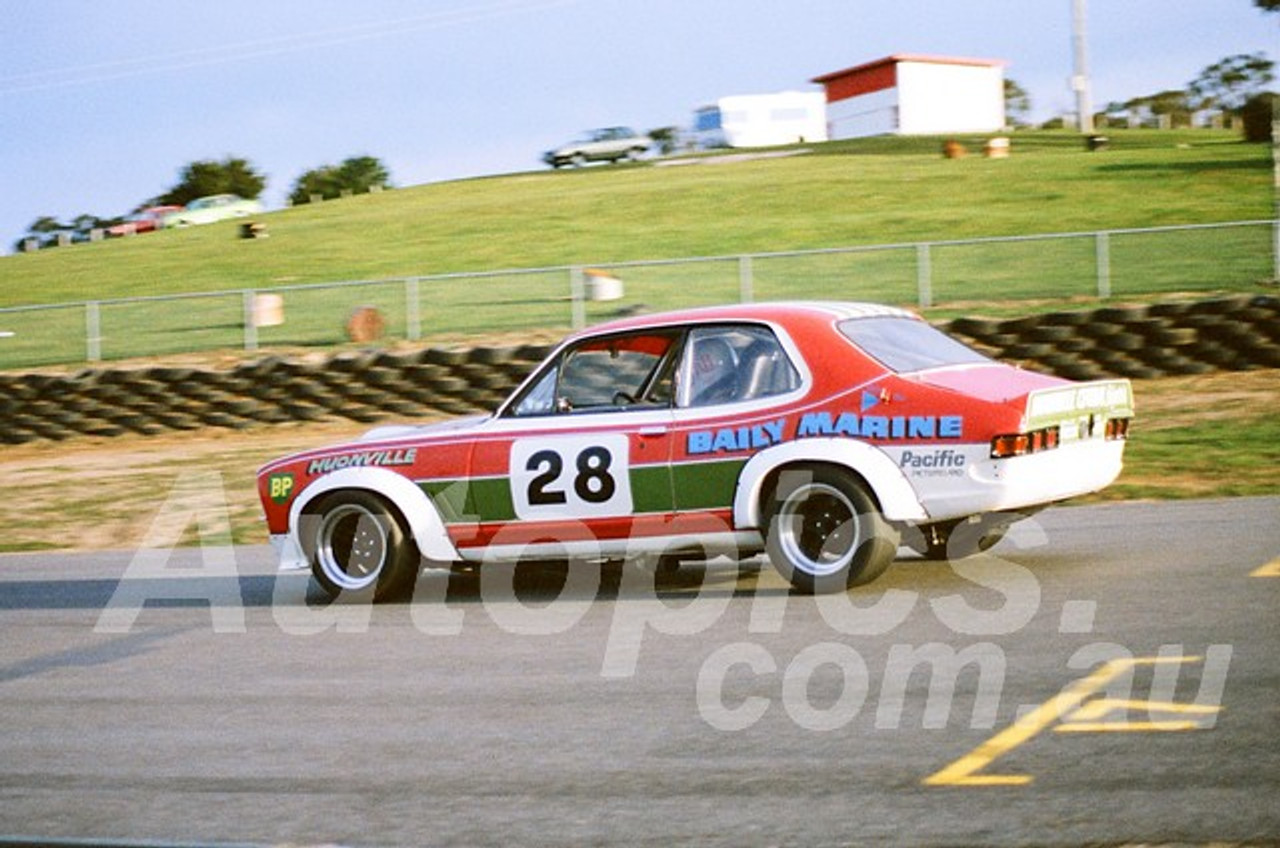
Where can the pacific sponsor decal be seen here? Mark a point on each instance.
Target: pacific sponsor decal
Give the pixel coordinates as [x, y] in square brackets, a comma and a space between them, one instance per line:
[811, 424]
[363, 459]
[943, 462]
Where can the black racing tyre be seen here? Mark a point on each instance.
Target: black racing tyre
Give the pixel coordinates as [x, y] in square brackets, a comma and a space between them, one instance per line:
[357, 543]
[1029, 350]
[1172, 336]
[980, 328]
[491, 355]
[1051, 333]
[1065, 319]
[1124, 342]
[825, 532]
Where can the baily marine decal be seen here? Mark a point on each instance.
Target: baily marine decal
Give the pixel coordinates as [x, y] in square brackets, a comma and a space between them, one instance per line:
[848, 424]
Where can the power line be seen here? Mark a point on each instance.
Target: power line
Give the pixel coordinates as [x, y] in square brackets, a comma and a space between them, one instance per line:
[111, 71]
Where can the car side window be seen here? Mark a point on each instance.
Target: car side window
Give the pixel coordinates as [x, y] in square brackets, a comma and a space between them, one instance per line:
[620, 372]
[732, 364]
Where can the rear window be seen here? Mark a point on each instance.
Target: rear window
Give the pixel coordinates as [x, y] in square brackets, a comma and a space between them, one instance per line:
[905, 344]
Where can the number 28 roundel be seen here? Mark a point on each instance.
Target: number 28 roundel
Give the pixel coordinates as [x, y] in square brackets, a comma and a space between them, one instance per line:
[571, 476]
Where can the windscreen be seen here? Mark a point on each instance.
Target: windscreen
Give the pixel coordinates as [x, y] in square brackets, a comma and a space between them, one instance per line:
[905, 344]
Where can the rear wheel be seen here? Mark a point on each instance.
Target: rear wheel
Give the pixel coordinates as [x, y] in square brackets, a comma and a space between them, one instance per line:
[357, 543]
[825, 532]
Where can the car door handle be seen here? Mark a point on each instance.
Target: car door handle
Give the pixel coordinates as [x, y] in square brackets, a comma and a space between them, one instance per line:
[651, 432]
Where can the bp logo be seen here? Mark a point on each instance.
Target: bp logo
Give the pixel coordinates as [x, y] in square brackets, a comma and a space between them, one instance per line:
[280, 487]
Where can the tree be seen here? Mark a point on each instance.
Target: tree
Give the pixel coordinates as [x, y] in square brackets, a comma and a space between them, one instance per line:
[1268, 5]
[1228, 83]
[355, 175]
[667, 139]
[205, 177]
[45, 225]
[1017, 103]
[1173, 105]
[48, 230]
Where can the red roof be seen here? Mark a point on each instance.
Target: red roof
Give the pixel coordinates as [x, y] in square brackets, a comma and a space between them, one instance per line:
[897, 58]
[882, 73]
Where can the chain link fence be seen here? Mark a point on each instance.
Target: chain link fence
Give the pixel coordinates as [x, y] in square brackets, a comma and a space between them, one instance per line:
[455, 307]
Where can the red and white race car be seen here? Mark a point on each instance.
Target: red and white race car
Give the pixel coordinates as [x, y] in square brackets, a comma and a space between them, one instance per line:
[821, 433]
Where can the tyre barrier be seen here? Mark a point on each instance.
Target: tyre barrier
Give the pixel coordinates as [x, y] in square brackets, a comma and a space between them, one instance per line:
[1236, 333]
[1229, 333]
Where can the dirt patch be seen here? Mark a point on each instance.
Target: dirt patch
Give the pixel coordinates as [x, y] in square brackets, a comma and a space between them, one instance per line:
[99, 494]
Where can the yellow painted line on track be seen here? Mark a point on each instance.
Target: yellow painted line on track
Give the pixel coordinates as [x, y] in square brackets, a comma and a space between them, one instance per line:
[1271, 569]
[1107, 715]
[965, 771]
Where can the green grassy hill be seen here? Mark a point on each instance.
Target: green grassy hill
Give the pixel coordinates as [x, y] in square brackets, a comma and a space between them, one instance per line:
[872, 191]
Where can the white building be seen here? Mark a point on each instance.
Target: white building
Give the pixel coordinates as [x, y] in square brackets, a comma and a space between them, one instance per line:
[762, 120]
[907, 94]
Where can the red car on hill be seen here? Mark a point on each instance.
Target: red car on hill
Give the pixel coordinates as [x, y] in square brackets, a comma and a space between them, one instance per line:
[143, 221]
[818, 433]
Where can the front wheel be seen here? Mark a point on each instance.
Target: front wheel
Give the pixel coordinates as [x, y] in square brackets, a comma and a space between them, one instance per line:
[825, 532]
[357, 543]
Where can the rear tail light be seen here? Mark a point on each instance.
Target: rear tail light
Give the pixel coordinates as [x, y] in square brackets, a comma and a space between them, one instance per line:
[1021, 444]
[1117, 428]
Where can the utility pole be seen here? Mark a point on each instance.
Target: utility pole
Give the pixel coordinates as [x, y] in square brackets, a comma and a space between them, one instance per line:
[1080, 79]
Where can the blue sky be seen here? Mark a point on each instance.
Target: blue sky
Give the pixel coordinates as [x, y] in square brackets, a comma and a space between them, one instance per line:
[101, 104]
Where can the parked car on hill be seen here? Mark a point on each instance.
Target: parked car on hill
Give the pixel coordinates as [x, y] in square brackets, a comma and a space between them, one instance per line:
[215, 207]
[143, 221]
[821, 434]
[606, 145]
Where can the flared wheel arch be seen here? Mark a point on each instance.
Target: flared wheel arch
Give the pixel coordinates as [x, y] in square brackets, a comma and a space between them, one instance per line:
[883, 480]
[421, 518]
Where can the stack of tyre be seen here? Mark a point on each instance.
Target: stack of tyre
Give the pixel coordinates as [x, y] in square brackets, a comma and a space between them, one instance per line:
[1231, 333]
[360, 386]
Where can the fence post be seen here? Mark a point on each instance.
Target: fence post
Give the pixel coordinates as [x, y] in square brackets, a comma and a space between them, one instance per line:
[924, 276]
[412, 310]
[250, 321]
[93, 331]
[577, 297]
[746, 280]
[1275, 185]
[1102, 250]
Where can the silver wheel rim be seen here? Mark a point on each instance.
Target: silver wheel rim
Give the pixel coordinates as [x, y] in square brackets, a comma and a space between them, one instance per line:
[818, 529]
[352, 546]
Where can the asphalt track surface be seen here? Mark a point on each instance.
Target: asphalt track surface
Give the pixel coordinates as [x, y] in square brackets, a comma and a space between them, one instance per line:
[1108, 674]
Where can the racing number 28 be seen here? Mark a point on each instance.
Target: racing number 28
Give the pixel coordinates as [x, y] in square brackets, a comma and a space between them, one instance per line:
[561, 477]
[592, 484]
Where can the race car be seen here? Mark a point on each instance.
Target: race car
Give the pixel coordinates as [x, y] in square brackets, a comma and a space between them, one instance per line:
[820, 434]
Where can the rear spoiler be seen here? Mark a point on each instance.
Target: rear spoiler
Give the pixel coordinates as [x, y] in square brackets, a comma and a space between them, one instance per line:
[1108, 399]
